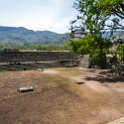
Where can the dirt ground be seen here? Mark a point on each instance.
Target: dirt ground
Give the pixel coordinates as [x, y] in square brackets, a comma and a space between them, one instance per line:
[57, 99]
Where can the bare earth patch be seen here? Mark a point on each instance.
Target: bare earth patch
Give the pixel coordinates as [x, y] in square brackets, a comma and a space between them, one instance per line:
[57, 99]
[49, 71]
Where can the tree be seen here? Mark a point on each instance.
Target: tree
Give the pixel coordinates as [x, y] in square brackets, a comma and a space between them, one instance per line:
[96, 16]
[101, 15]
[120, 51]
[91, 17]
[93, 45]
[93, 26]
[112, 7]
[113, 10]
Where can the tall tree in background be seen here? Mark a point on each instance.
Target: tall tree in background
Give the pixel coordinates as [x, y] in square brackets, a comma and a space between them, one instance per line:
[96, 16]
[113, 10]
[91, 17]
[92, 25]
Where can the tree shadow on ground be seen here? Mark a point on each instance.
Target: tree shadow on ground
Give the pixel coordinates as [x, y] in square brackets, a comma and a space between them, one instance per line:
[91, 70]
[12, 67]
[28, 66]
[105, 77]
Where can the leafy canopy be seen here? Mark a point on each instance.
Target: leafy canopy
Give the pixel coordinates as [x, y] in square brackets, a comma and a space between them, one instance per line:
[96, 16]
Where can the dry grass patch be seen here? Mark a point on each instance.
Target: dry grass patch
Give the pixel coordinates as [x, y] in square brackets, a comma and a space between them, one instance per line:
[57, 99]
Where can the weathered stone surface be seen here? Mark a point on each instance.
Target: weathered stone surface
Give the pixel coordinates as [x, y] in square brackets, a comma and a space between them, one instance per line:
[35, 56]
[15, 60]
[25, 89]
[80, 81]
[40, 69]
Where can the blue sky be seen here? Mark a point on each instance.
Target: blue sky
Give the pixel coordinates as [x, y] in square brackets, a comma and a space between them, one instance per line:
[53, 15]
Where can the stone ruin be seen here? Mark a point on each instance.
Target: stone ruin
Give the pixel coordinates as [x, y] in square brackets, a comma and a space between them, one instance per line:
[16, 60]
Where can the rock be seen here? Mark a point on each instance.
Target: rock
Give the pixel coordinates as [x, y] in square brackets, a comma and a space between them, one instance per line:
[40, 69]
[80, 82]
[25, 89]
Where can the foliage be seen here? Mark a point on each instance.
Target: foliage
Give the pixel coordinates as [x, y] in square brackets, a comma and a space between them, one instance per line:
[91, 18]
[113, 10]
[42, 47]
[98, 58]
[100, 15]
[23, 36]
[64, 46]
[110, 7]
[93, 22]
[93, 45]
[94, 17]
[50, 47]
[120, 52]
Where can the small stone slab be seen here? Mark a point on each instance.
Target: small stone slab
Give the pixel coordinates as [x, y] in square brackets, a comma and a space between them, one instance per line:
[25, 89]
[80, 82]
[40, 69]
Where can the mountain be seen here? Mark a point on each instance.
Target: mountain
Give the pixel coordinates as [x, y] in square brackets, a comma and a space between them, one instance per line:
[21, 36]
[116, 34]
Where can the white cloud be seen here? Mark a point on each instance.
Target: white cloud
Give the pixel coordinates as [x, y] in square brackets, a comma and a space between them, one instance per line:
[40, 16]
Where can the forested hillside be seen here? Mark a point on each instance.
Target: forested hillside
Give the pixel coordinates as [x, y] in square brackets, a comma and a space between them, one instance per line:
[23, 36]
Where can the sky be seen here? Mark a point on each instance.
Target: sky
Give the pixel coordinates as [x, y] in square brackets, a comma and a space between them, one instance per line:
[52, 15]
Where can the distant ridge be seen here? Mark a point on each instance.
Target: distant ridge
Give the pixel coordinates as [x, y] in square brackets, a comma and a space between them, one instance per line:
[21, 36]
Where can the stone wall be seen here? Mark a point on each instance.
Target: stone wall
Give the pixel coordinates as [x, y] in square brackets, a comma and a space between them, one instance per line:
[35, 56]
